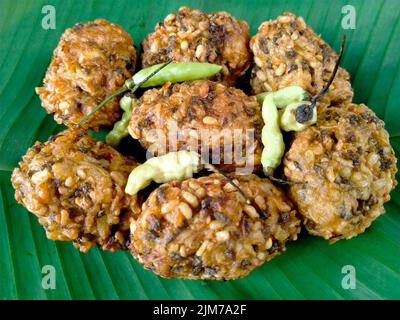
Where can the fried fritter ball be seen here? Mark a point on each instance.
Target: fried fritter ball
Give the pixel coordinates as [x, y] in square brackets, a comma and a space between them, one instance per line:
[288, 52]
[201, 116]
[349, 168]
[75, 186]
[91, 61]
[203, 229]
[192, 35]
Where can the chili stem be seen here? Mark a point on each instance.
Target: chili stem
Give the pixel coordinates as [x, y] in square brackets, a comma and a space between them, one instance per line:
[114, 94]
[335, 69]
[280, 181]
[212, 168]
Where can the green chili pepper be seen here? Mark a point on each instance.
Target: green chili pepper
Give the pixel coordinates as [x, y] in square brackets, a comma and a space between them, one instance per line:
[177, 72]
[151, 76]
[120, 129]
[285, 96]
[271, 136]
[288, 100]
[178, 165]
[288, 95]
[295, 113]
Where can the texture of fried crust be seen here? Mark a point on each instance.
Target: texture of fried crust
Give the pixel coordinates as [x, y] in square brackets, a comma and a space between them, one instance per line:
[75, 186]
[349, 168]
[91, 61]
[192, 35]
[207, 116]
[203, 229]
[287, 52]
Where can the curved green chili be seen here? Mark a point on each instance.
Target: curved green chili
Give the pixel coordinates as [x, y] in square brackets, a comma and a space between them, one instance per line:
[174, 72]
[271, 136]
[285, 96]
[120, 129]
[177, 72]
[178, 165]
[293, 106]
[288, 100]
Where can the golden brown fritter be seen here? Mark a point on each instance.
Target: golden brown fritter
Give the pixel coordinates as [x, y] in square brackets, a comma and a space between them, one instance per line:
[75, 186]
[192, 35]
[349, 168]
[200, 116]
[203, 229]
[91, 61]
[288, 52]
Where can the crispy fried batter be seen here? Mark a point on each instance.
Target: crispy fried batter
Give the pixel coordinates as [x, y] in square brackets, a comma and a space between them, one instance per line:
[288, 52]
[75, 186]
[203, 229]
[91, 61]
[192, 35]
[206, 116]
[349, 167]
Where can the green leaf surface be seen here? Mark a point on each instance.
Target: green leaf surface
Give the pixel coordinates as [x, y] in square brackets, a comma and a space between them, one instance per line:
[311, 268]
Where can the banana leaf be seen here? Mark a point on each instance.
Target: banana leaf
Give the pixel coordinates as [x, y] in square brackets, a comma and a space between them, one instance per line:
[310, 269]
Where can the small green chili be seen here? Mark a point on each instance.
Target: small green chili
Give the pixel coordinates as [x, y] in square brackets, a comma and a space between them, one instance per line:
[285, 96]
[178, 165]
[174, 72]
[177, 72]
[120, 129]
[292, 104]
[299, 114]
[288, 95]
[271, 136]
[287, 100]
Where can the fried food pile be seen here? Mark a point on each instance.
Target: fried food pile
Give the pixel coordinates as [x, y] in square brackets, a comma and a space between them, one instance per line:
[338, 172]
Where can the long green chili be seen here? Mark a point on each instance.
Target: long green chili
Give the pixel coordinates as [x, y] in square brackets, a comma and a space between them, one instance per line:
[177, 72]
